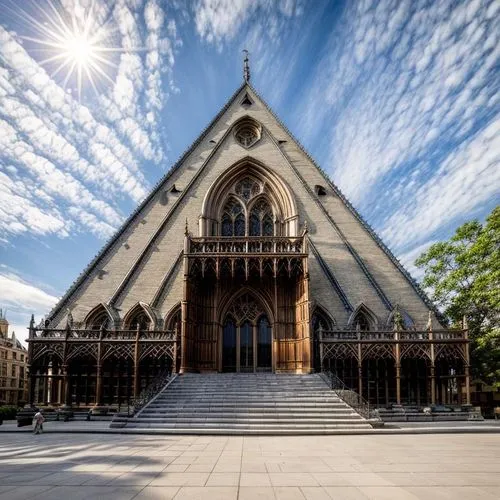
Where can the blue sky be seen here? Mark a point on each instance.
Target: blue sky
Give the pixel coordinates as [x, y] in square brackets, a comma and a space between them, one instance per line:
[398, 101]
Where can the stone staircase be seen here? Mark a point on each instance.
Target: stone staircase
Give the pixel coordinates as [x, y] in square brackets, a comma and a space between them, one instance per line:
[231, 403]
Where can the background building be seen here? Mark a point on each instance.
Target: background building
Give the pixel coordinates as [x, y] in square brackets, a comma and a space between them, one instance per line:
[13, 363]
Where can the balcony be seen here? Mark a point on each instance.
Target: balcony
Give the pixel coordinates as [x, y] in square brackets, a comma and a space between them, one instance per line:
[257, 245]
[246, 256]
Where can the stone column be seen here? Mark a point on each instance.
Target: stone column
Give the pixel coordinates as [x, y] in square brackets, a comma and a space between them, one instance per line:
[184, 304]
[360, 363]
[98, 388]
[433, 383]
[398, 365]
[398, 383]
[66, 385]
[136, 363]
[433, 360]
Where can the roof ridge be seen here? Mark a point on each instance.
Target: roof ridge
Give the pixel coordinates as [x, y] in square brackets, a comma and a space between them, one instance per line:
[416, 286]
[108, 245]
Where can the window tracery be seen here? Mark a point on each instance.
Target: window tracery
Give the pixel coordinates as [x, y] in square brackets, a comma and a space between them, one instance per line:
[244, 308]
[247, 132]
[98, 318]
[101, 320]
[242, 216]
[248, 188]
[261, 219]
[233, 219]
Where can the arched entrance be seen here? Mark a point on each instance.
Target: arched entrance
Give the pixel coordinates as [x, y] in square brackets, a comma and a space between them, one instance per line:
[246, 286]
[246, 336]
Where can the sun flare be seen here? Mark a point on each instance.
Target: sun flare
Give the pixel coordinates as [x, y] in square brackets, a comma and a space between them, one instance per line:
[80, 49]
[77, 44]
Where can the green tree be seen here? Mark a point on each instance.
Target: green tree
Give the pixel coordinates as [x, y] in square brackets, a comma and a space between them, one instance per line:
[464, 276]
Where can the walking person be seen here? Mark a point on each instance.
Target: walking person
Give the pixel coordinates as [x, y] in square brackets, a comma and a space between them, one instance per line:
[39, 420]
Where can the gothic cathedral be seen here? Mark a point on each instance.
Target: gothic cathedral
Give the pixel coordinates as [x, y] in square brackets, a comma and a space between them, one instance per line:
[245, 258]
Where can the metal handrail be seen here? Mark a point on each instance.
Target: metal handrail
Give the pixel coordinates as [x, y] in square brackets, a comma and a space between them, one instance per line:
[151, 391]
[350, 397]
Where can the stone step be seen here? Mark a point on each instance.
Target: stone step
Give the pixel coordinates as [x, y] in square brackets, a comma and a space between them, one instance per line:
[191, 420]
[247, 431]
[258, 411]
[213, 412]
[249, 404]
[188, 429]
[246, 404]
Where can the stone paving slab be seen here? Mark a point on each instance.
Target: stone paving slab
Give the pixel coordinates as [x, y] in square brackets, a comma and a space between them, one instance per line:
[102, 427]
[123, 467]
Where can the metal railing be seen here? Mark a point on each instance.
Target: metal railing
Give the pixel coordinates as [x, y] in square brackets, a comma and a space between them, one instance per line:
[151, 391]
[87, 334]
[244, 245]
[393, 335]
[350, 397]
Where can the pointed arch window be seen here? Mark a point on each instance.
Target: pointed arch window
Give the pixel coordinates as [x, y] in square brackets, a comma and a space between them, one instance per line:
[247, 188]
[101, 320]
[141, 320]
[241, 218]
[138, 317]
[261, 219]
[320, 321]
[361, 322]
[233, 219]
[98, 318]
[174, 320]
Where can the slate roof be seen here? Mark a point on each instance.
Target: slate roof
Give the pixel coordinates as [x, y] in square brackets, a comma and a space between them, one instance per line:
[58, 308]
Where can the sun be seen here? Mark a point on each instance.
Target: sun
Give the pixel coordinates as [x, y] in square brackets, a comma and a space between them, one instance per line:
[80, 49]
[77, 44]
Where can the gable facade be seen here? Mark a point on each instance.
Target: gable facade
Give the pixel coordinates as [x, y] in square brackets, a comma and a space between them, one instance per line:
[241, 251]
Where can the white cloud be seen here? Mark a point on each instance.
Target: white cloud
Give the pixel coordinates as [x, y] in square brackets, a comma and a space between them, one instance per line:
[409, 87]
[20, 214]
[83, 161]
[21, 299]
[218, 21]
[468, 177]
[409, 257]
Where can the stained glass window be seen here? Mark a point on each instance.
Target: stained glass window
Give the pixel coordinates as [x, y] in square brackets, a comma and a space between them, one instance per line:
[239, 225]
[247, 135]
[267, 226]
[233, 219]
[254, 225]
[247, 188]
[261, 219]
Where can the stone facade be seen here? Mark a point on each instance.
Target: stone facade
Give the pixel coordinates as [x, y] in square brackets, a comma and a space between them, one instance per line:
[13, 367]
[245, 251]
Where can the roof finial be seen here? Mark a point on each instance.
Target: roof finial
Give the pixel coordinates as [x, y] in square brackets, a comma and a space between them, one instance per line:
[246, 67]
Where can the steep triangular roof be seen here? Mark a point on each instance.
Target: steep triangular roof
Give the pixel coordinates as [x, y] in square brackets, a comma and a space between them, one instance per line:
[109, 244]
[247, 87]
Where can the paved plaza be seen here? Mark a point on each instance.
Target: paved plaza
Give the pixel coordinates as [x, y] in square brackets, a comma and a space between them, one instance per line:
[112, 466]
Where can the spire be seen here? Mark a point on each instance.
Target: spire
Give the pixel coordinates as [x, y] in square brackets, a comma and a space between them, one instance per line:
[246, 67]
